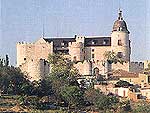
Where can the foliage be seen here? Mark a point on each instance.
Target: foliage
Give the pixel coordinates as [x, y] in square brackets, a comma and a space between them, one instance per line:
[61, 66]
[42, 88]
[112, 57]
[61, 84]
[149, 66]
[4, 62]
[91, 95]
[122, 83]
[31, 101]
[99, 100]
[142, 108]
[147, 69]
[64, 81]
[72, 95]
[123, 106]
[62, 71]
[13, 81]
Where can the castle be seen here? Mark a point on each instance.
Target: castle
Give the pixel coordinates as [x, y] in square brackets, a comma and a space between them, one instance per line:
[32, 57]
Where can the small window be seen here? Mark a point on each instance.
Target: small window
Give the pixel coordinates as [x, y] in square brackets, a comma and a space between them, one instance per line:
[119, 43]
[130, 80]
[62, 44]
[94, 42]
[24, 59]
[92, 55]
[119, 29]
[92, 50]
[96, 71]
[105, 42]
[120, 54]
[75, 58]
[44, 63]
[84, 57]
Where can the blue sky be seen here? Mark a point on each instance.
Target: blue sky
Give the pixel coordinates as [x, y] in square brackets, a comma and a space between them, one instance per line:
[22, 20]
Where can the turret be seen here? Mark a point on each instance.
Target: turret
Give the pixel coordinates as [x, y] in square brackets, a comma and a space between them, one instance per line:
[120, 42]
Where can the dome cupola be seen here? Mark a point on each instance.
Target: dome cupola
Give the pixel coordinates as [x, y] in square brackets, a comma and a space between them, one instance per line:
[120, 24]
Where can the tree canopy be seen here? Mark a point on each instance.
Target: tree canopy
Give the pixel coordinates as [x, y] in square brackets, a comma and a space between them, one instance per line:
[64, 81]
[112, 57]
[122, 83]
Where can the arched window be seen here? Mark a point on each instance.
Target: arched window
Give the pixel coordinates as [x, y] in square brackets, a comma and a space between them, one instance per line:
[119, 43]
[120, 54]
[96, 71]
[75, 58]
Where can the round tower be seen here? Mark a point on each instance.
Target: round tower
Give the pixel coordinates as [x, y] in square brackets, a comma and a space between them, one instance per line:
[76, 51]
[120, 42]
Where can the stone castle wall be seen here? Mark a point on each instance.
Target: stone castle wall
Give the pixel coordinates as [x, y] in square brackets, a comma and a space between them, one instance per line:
[37, 50]
[35, 69]
[146, 63]
[124, 66]
[30, 55]
[84, 68]
[76, 51]
[124, 45]
[136, 67]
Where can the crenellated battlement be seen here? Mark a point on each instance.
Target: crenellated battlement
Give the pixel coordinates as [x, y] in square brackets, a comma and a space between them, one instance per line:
[141, 64]
[35, 68]
[136, 66]
[24, 43]
[80, 38]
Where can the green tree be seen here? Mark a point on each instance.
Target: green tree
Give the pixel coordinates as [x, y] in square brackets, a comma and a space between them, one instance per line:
[42, 88]
[13, 81]
[62, 74]
[61, 66]
[99, 100]
[122, 83]
[6, 60]
[91, 95]
[72, 95]
[147, 70]
[1, 62]
[142, 108]
[112, 57]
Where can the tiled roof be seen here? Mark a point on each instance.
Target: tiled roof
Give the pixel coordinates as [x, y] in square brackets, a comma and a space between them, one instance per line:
[124, 74]
[145, 88]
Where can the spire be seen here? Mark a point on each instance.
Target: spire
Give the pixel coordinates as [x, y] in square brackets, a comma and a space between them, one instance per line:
[120, 15]
[120, 24]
